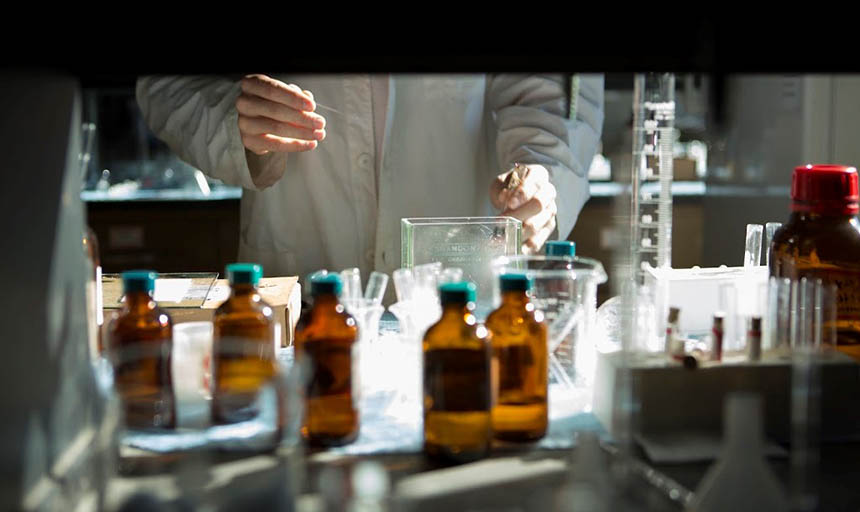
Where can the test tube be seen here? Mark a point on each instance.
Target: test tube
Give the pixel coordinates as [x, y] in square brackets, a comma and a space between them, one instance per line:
[450, 275]
[376, 284]
[426, 277]
[769, 230]
[404, 283]
[752, 251]
[351, 283]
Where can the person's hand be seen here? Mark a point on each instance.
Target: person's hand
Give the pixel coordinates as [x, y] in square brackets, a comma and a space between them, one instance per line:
[277, 117]
[526, 193]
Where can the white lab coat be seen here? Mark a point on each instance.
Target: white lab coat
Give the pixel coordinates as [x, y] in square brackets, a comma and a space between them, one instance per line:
[445, 139]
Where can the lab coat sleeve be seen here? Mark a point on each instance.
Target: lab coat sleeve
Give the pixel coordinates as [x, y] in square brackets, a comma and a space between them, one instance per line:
[532, 126]
[197, 118]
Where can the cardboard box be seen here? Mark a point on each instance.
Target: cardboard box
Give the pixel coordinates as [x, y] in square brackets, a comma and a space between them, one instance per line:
[195, 297]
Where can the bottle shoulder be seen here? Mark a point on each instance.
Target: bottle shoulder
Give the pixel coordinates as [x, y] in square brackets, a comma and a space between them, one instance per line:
[456, 333]
[245, 307]
[147, 323]
[326, 323]
[821, 241]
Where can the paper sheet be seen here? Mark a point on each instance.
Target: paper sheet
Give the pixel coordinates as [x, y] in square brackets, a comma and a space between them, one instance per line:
[171, 290]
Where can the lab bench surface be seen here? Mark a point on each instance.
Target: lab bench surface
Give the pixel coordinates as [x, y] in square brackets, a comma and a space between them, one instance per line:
[230, 475]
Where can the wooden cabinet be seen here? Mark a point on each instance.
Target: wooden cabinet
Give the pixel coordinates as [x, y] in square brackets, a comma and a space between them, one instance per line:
[166, 236]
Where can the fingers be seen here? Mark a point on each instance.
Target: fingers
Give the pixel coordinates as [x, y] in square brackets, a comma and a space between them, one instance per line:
[262, 144]
[263, 125]
[255, 106]
[533, 244]
[539, 201]
[533, 179]
[277, 92]
[533, 224]
[498, 193]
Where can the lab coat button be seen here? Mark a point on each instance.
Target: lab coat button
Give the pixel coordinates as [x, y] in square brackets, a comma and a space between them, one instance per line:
[364, 161]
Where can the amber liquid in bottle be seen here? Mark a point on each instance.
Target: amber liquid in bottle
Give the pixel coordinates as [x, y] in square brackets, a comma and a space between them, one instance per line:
[458, 385]
[325, 340]
[520, 347]
[141, 339]
[243, 354]
[828, 247]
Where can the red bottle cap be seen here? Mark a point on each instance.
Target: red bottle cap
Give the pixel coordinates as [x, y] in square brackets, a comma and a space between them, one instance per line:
[825, 189]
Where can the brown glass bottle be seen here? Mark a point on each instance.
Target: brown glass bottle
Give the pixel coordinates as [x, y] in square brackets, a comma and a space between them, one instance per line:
[459, 379]
[325, 341]
[520, 346]
[822, 240]
[243, 347]
[141, 344]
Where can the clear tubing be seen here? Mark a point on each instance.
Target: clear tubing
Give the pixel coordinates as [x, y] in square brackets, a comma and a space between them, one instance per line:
[752, 249]
[769, 230]
[376, 285]
[404, 283]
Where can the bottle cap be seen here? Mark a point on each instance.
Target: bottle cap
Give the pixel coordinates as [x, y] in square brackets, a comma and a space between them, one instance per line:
[515, 282]
[322, 284]
[139, 281]
[461, 292]
[560, 248]
[674, 313]
[244, 273]
[825, 189]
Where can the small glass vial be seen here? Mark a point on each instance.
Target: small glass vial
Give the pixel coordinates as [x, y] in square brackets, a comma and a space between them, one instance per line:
[519, 340]
[754, 339]
[326, 340]
[717, 337]
[675, 346]
[141, 344]
[243, 347]
[458, 380]
[822, 240]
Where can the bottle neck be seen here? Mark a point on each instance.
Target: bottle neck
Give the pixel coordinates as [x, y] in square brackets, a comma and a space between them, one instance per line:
[326, 301]
[828, 218]
[243, 290]
[515, 298]
[139, 300]
[455, 310]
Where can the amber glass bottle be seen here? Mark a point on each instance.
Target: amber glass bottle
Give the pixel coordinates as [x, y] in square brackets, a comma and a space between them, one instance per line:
[459, 380]
[520, 347]
[822, 240]
[243, 347]
[141, 343]
[325, 341]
